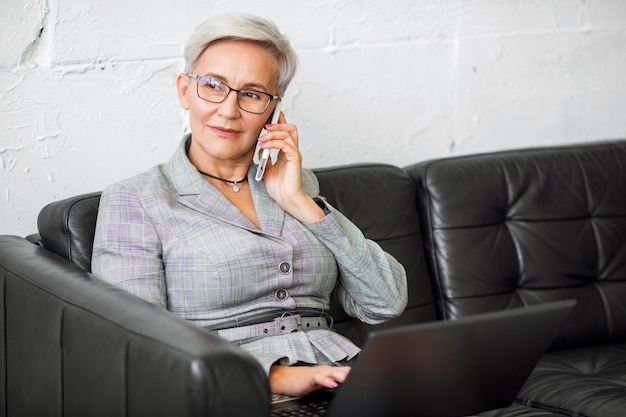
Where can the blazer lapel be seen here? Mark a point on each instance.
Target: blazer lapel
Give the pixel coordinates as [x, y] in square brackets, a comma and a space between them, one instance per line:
[271, 216]
[195, 192]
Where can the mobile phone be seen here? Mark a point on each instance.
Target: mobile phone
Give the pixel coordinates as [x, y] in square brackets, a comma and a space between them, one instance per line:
[265, 155]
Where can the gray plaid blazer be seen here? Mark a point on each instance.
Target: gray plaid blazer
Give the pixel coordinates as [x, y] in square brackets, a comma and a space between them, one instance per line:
[170, 237]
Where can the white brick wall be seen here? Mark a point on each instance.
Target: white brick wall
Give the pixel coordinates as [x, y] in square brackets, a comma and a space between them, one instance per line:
[87, 87]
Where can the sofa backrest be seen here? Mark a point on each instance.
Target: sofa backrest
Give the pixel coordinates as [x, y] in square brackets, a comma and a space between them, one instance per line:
[529, 226]
[67, 228]
[380, 200]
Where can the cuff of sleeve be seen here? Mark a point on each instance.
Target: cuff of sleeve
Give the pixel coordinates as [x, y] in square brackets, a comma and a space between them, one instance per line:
[267, 361]
[332, 232]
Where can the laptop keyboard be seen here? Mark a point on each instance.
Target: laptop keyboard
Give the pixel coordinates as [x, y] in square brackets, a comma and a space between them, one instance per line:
[311, 409]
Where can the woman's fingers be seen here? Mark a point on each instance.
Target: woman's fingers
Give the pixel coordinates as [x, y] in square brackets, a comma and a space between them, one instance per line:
[302, 380]
[331, 378]
[280, 134]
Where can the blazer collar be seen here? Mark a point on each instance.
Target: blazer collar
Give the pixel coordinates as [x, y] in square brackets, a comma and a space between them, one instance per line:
[195, 192]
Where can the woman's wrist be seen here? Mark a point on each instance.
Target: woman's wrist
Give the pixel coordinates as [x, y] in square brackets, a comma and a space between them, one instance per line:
[305, 209]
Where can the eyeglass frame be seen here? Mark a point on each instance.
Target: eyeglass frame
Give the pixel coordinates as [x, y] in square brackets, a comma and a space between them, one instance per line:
[197, 78]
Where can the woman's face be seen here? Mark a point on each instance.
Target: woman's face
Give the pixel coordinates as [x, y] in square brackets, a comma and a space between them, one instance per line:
[223, 131]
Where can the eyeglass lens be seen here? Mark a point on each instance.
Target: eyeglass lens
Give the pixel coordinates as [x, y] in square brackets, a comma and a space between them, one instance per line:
[210, 89]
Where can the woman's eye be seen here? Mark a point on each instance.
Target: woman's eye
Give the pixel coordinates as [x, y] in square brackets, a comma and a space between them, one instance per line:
[252, 95]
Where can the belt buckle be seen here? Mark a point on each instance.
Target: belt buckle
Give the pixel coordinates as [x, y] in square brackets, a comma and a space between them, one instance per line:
[288, 323]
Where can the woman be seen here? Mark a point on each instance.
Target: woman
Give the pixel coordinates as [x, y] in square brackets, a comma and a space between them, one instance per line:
[253, 261]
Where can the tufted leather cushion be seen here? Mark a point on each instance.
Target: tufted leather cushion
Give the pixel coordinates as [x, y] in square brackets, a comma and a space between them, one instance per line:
[588, 381]
[528, 226]
[523, 227]
[67, 228]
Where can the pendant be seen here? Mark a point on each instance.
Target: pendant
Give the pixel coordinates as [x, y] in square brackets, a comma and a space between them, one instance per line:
[235, 187]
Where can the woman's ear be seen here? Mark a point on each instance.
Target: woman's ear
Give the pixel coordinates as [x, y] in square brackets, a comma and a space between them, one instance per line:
[182, 87]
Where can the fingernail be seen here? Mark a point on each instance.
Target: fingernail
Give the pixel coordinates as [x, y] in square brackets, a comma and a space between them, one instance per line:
[334, 384]
[269, 125]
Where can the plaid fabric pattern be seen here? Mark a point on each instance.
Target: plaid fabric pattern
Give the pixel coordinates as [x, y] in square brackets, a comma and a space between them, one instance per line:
[170, 237]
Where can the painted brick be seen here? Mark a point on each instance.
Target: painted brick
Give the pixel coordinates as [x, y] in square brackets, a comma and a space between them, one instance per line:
[87, 92]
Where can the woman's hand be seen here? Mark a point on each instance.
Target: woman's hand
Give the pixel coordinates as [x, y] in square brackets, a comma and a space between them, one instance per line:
[302, 380]
[283, 179]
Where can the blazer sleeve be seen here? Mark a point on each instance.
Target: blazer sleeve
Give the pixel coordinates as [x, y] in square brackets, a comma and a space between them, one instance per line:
[127, 250]
[372, 284]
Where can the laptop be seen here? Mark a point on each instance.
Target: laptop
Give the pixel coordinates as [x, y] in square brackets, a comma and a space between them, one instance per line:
[443, 368]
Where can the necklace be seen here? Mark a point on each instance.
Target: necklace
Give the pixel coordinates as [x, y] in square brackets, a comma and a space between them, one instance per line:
[235, 186]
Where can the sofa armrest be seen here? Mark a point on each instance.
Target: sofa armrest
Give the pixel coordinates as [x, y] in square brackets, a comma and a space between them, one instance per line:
[74, 345]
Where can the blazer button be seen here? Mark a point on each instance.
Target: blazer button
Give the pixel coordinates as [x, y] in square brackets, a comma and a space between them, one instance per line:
[281, 294]
[284, 267]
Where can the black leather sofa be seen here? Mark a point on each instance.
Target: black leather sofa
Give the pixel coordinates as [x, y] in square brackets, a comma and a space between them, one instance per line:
[475, 233]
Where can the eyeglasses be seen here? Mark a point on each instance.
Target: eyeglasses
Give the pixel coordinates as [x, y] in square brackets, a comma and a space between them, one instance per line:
[215, 91]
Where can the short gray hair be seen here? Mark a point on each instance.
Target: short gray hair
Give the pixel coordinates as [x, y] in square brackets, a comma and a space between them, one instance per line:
[249, 27]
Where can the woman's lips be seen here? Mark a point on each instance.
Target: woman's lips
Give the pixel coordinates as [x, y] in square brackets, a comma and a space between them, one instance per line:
[224, 132]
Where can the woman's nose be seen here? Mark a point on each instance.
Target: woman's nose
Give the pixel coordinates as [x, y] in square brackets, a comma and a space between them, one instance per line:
[230, 106]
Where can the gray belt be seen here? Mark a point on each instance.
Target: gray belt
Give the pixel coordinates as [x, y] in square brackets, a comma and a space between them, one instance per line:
[280, 325]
